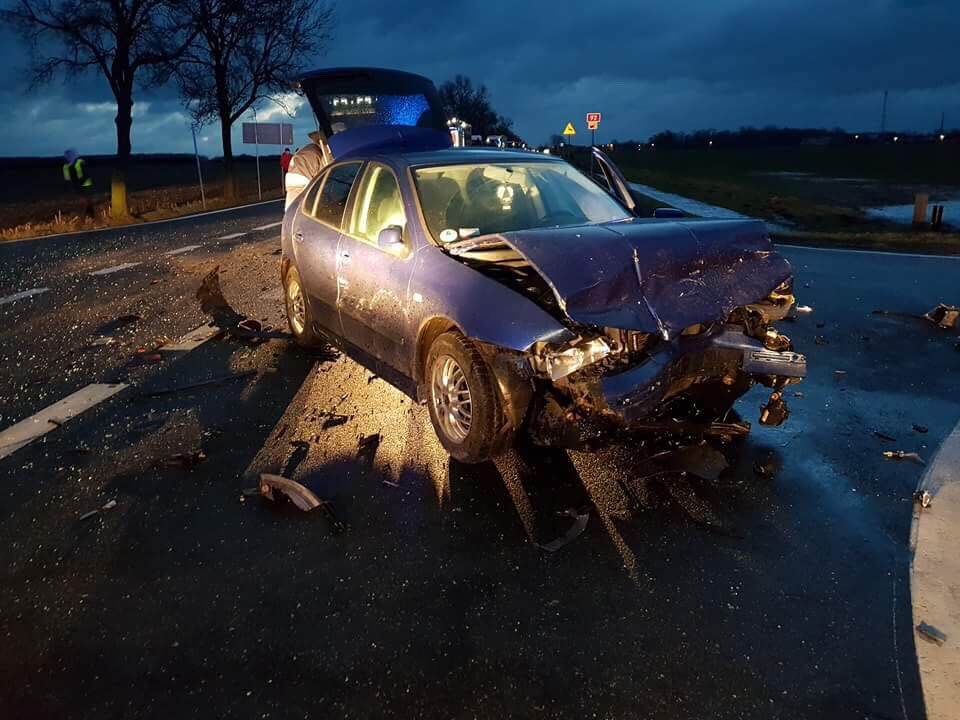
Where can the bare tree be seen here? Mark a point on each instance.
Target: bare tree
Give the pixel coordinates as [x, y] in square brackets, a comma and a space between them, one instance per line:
[243, 52]
[465, 102]
[117, 38]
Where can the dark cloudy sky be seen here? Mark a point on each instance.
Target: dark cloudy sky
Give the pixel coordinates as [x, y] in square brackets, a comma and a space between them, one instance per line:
[647, 66]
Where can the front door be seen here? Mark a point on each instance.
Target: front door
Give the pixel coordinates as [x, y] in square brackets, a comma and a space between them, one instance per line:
[609, 177]
[373, 280]
[316, 236]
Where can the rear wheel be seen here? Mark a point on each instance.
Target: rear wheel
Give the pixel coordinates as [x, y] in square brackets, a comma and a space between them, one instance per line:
[463, 401]
[298, 312]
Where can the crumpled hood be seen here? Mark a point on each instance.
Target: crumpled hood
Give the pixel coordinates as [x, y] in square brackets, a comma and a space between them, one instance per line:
[653, 275]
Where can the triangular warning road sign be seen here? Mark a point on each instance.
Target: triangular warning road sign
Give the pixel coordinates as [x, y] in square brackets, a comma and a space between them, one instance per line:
[569, 129]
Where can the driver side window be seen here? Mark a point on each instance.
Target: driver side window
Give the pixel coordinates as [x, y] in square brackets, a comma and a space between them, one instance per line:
[378, 204]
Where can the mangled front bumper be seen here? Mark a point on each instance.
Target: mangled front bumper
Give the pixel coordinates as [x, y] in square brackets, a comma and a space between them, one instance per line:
[688, 382]
[727, 359]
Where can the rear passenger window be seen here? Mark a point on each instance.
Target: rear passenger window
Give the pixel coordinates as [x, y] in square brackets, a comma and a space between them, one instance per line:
[332, 200]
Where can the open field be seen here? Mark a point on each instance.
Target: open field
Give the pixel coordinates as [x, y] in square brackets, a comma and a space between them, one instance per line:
[812, 189]
[40, 202]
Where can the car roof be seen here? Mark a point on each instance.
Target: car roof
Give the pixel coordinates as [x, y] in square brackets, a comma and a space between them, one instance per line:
[465, 156]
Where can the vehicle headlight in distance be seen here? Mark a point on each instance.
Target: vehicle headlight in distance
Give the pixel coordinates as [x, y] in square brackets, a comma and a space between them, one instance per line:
[557, 364]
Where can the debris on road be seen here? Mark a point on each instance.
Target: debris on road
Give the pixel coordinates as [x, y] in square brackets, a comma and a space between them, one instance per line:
[199, 384]
[923, 499]
[839, 373]
[820, 340]
[117, 323]
[333, 420]
[803, 309]
[187, 460]
[701, 460]
[883, 436]
[102, 341]
[766, 467]
[580, 519]
[945, 316]
[367, 449]
[923, 429]
[931, 634]
[903, 455]
[109, 505]
[301, 496]
[214, 304]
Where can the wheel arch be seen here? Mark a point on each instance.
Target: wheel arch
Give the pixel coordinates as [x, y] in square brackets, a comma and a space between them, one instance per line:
[430, 330]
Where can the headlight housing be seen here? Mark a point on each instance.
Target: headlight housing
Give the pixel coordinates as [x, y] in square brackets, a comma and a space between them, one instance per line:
[557, 364]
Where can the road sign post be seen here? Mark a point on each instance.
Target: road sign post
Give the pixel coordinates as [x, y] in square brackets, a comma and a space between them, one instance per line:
[569, 131]
[593, 122]
[257, 133]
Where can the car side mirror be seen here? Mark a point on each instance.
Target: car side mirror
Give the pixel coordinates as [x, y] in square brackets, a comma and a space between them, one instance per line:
[665, 212]
[390, 240]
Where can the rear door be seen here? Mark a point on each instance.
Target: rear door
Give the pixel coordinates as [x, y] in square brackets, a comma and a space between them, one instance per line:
[609, 177]
[316, 236]
[373, 280]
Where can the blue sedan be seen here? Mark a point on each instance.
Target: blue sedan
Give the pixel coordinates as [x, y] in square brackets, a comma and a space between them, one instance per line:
[512, 293]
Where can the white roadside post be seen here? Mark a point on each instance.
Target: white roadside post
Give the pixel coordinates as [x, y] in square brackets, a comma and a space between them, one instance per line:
[196, 153]
[256, 143]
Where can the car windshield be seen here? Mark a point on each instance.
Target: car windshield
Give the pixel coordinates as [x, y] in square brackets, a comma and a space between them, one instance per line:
[465, 201]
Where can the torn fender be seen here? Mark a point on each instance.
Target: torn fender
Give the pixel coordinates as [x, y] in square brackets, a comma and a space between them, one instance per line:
[481, 307]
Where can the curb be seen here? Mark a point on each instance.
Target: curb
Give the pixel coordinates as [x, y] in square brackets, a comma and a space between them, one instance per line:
[92, 231]
[935, 580]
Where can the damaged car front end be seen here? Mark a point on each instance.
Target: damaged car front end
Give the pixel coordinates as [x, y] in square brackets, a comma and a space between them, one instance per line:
[669, 325]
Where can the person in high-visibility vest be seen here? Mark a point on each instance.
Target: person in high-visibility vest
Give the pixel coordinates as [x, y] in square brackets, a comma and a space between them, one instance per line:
[74, 173]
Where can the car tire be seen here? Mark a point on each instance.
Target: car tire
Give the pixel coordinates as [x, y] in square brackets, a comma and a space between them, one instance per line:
[456, 371]
[298, 310]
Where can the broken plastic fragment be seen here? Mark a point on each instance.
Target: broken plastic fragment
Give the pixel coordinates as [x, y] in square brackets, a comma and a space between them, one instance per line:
[931, 634]
[923, 498]
[804, 309]
[576, 530]
[945, 316]
[299, 495]
[701, 460]
[903, 455]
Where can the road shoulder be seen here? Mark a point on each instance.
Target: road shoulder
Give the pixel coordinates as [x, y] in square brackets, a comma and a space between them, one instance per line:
[935, 580]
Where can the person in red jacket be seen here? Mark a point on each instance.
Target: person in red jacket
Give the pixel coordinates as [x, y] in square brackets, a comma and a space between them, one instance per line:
[285, 165]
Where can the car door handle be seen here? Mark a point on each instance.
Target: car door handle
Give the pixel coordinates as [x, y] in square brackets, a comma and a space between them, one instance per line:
[298, 236]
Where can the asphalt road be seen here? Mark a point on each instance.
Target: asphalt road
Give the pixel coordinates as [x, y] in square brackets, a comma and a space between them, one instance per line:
[748, 597]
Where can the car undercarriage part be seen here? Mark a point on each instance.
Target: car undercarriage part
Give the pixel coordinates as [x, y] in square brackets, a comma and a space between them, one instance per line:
[775, 412]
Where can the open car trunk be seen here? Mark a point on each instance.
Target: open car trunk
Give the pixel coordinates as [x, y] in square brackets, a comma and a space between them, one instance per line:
[371, 108]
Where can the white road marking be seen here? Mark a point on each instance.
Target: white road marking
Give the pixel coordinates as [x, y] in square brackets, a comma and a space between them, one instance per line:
[28, 430]
[115, 268]
[193, 339]
[271, 225]
[181, 250]
[231, 236]
[22, 295]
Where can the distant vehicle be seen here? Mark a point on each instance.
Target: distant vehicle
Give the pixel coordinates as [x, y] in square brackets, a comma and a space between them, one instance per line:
[515, 294]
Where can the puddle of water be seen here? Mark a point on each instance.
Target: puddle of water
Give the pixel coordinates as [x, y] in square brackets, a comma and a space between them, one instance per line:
[904, 213]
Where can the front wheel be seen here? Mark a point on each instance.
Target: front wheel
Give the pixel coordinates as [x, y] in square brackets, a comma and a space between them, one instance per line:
[298, 312]
[463, 401]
